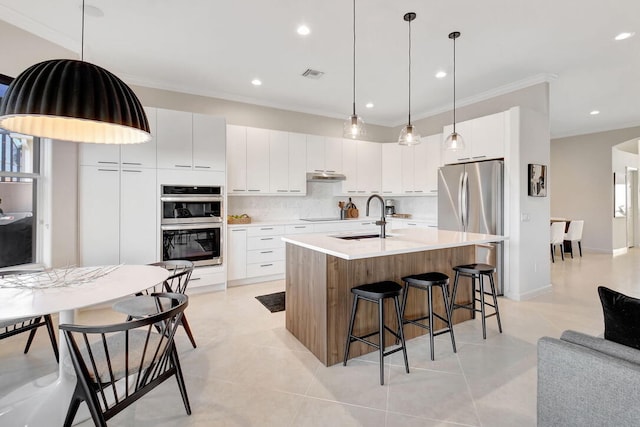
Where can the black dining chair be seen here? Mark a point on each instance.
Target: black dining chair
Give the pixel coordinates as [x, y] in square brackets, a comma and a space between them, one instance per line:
[118, 364]
[142, 304]
[11, 327]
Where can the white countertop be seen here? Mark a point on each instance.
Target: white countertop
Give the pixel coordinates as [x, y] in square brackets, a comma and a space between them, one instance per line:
[259, 223]
[398, 242]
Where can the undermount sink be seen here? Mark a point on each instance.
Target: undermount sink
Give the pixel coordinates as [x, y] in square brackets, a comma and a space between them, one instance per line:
[359, 237]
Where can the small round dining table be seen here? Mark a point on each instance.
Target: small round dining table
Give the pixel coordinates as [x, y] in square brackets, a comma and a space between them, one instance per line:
[44, 401]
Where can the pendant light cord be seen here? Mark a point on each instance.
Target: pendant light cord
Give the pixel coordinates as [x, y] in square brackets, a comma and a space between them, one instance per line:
[454, 84]
[409, 73]
[354, 57]
[82, 38]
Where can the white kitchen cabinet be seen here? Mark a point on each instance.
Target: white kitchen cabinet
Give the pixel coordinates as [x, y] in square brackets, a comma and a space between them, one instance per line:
[324, 154]
[237, 253]
[174, 139]
[484, 139]
[265, 251]
[138, 216]
[368, 169]
[297, 166]
[99, 154]
[427, 162]
[142, 155]
[257, 168]
[209, 142]
[99, 216]
[391, 169]
[408, 169]
[287, 174]
[350, 166]
[236, 159]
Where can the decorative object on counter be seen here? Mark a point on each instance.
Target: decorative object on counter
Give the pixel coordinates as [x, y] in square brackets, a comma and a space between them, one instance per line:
[454, 141]
[354, 126]
[352, 210]
[273, 302]
[537, 180]
[238, 219]
[75, 101]
[409, 134]
[399, 215]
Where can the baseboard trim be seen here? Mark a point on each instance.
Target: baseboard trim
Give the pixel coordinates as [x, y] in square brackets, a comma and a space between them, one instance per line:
[531, 294]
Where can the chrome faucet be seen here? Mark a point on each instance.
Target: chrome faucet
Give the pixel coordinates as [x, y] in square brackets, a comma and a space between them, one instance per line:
[382, 223]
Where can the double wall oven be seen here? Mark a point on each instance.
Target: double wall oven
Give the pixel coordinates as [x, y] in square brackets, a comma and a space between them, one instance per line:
[191, 223]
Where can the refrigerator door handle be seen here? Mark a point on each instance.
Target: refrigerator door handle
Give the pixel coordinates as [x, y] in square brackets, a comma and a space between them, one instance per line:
[464, 212]
[461, 215]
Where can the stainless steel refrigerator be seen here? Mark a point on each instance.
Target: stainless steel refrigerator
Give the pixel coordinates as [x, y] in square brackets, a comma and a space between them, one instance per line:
[470, 198]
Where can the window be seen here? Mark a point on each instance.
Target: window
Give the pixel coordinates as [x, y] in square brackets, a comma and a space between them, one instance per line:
[19, 174]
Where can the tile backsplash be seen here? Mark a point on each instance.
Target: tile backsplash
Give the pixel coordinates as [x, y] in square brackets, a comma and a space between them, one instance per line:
[321, 201]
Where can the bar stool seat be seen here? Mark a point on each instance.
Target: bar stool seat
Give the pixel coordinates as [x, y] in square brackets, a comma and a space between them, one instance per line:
[477, 272]
[377, 293]
[426, 282]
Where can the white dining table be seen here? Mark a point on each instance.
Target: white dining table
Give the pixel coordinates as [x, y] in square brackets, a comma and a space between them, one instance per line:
[44, 401]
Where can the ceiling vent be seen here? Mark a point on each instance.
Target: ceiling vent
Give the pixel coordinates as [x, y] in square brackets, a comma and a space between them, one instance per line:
[312, 74]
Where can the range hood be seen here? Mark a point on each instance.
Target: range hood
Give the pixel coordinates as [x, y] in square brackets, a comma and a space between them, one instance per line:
[325, 177]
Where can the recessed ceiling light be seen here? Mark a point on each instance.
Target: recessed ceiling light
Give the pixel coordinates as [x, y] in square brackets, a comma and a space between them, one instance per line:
[624, 36]
[369, 105]
[256, 82]
[441, 74]
[594, 112]
[303, 30]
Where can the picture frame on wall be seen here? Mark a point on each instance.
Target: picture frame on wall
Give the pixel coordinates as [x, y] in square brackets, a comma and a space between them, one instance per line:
[537, 180]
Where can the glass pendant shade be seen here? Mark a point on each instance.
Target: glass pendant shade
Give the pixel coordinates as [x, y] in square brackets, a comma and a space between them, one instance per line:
[409, 136]
[75, 101]
[454, 142]
[354, 127]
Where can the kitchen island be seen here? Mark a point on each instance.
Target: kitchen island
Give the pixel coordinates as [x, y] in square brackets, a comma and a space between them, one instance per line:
[321, 269]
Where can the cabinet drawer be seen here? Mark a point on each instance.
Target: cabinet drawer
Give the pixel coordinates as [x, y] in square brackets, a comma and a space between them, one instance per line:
[267, 230]
[265, 255]
[265, 269]
[264, 242]
[298, 229]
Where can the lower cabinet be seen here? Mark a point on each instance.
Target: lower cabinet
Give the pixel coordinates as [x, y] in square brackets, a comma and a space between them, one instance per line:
[236, 253]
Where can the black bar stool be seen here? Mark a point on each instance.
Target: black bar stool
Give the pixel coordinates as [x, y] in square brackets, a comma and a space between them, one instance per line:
[477, 271]
[426, 282]
[377, 293]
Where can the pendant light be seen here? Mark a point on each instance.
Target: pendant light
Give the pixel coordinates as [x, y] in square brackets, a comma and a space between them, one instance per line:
[409, 134]
[454, 141]
[75, 101]
[354, 126]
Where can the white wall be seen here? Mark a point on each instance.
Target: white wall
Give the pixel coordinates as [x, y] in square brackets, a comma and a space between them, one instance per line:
[619, 162]
[581, 183]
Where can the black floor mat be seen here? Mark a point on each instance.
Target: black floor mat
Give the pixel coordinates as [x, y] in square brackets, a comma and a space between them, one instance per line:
[273, 302]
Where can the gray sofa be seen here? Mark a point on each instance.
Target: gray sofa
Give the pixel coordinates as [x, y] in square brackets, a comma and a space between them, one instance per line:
[587, 381]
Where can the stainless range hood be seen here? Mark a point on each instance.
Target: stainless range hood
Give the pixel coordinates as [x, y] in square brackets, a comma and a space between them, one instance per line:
[325, 177]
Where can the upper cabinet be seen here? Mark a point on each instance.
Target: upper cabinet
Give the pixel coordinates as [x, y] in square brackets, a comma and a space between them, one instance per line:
[484, 139]
[190, 141]
[392, 168]
[362, 165]
[257, 161]
[324, 154]
[411, 171]
[287, 173]
[236, 159]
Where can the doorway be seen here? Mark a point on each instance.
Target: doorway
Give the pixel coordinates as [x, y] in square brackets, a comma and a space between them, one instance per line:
[632, 206]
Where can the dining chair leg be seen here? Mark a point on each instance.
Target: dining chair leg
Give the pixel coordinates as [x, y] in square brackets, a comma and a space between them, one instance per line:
[580, 247]
[552, 253]
[52, 336]
[187, 329]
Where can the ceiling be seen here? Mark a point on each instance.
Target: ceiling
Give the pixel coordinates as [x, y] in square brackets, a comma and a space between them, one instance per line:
[215, 48]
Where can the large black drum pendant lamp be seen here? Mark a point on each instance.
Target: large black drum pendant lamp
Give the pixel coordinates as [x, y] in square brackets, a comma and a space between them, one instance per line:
[75, 101]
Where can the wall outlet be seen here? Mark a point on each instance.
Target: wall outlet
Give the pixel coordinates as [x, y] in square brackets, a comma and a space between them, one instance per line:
[525, 217]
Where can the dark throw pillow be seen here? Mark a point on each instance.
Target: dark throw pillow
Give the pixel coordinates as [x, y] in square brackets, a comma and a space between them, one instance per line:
[621, 317]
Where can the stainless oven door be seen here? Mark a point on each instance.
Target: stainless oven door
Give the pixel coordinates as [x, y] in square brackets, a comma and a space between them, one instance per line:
[199, 243]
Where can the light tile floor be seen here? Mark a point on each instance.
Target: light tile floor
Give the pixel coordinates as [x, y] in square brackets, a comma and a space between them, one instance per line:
[249, 371]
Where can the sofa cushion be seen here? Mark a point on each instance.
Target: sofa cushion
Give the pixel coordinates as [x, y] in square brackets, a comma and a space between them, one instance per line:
[621, 317]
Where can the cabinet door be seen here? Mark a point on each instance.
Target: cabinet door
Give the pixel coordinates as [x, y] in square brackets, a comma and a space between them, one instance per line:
[465, 129]
[142, 155]
[391, 169]
[426, 177]
[333, 159]
[138, 216]
[257, 160]
[278, 162]
[99, 200]
[174, 139]
[350, 166]
[209, 141]
[369, 163]
[99, 154]
[408, 169]
[297, 166]
[237, 253]
[315, 153]
[488, 137]
[236, 159]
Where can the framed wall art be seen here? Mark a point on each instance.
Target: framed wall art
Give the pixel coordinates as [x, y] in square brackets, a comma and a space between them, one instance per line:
[537, 180]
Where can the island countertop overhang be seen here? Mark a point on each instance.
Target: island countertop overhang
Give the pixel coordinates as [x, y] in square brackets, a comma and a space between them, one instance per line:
[398, 242]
